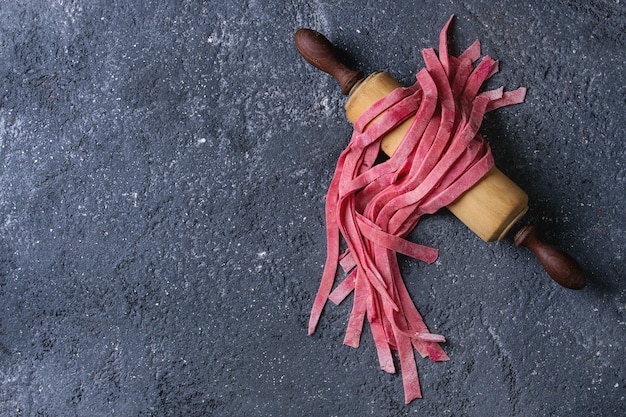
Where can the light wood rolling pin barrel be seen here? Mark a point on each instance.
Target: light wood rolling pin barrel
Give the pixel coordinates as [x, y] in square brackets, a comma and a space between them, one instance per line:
[490, 208]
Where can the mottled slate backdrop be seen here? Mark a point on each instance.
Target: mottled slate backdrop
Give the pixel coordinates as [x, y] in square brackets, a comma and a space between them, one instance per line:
[163, 167]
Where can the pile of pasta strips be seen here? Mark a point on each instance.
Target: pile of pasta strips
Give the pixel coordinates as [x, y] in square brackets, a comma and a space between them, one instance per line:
[374, 206]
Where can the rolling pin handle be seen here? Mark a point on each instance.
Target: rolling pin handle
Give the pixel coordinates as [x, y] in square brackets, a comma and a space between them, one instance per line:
[559, 265]
[319, 52]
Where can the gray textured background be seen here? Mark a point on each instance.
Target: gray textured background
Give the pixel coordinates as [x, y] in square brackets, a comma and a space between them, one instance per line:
[163, 167]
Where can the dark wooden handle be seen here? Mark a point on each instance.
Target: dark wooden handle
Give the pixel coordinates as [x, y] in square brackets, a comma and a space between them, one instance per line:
[559, 265]
[319, 52]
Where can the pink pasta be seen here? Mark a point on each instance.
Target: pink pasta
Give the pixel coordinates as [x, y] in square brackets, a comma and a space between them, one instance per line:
[373, 207]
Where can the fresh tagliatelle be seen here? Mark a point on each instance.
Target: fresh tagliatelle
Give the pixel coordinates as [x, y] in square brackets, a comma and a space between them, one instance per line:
[374, 206]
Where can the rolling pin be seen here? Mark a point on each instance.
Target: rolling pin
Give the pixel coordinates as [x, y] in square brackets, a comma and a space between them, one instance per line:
[490, 209]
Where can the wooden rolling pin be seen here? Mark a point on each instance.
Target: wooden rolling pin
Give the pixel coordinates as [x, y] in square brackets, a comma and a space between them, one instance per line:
[490, 208]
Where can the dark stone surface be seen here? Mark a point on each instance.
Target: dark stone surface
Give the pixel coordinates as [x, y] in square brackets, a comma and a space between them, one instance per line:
[163, 167]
